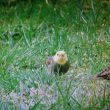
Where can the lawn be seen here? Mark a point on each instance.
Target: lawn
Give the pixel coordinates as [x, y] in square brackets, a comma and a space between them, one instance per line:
[29, 33]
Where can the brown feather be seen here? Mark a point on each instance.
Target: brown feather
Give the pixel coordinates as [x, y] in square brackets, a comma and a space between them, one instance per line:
[105, 74]
[50, 65]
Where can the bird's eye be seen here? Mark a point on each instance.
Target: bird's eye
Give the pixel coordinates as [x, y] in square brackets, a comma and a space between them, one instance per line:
[57, 54]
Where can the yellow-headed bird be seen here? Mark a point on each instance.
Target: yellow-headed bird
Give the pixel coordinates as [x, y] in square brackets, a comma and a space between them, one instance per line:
[58, 64]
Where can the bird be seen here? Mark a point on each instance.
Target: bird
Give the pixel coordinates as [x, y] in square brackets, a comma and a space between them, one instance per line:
[58, 64]
[105, 74]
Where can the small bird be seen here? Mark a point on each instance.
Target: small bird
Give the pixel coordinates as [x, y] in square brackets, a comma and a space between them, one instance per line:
[105, 74]
[58, 64]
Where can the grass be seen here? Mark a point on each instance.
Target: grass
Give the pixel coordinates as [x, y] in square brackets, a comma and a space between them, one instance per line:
[28, 35]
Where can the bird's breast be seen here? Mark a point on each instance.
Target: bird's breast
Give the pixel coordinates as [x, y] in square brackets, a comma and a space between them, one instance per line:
[61, 69]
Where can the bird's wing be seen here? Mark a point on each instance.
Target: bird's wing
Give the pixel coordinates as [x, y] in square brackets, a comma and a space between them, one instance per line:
[50, 65]
[105, 72]
[49, 61]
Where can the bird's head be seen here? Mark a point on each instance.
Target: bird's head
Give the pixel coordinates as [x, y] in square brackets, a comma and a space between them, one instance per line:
[60, 57]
